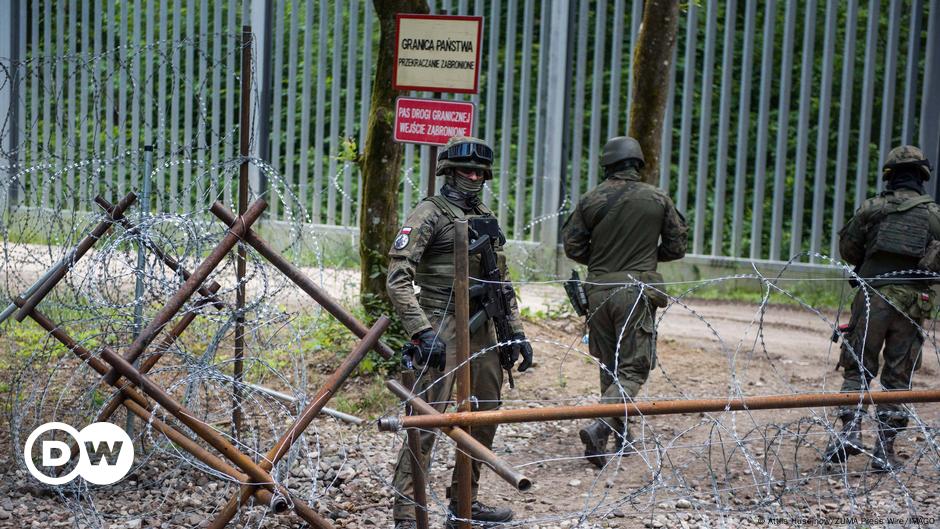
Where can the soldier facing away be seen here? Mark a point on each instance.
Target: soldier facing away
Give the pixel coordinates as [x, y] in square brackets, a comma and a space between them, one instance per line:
[423, 254]
[892, 241]
[621, 229]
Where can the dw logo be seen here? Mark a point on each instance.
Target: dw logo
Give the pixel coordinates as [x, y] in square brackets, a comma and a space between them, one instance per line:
[105, 456]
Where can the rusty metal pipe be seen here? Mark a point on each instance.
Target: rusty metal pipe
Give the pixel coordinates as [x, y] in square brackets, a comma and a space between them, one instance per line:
[207, 291]
[137, 404]
[278, 504]
[164, 346]
[301, 280]
[329, 388]
[463, 463]
[199, 276]
[418, 482]
[661, 407]
[203, 430]
[464, 440]
[83, 246]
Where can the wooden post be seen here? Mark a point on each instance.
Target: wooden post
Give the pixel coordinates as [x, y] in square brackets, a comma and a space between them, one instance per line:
[462, 321]
[241, 259]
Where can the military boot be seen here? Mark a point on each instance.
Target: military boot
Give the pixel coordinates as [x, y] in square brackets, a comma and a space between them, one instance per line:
[482, 515]
[594, 437]
[884, 459]
[846, 443]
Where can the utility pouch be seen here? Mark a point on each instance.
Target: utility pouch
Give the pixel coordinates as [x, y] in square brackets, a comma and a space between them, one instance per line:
[576, 294]
[486, 225]
[931, 259]
[654, 293]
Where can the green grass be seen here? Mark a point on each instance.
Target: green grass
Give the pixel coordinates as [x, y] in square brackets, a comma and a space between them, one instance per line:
[818, 294]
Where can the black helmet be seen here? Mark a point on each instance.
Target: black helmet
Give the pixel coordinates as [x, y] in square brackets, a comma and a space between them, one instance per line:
[621, 148]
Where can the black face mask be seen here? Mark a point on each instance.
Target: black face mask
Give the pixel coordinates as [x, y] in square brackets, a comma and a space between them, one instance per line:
[463, 200]
[912, 181]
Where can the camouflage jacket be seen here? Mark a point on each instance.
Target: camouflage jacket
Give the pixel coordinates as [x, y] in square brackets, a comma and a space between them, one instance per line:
[423, 255]
[624, 225]
[863, 241]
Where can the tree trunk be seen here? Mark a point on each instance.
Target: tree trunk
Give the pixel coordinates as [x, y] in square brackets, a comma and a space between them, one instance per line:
[381, 164]
[651, 66]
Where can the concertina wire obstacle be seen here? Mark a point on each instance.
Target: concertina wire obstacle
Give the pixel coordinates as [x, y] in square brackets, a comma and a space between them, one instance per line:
[750, 467]
[267, 490]
[157, 422]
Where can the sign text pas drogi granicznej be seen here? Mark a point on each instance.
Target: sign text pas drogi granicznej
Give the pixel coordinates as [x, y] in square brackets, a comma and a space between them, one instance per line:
[431, 122]
[437, 53]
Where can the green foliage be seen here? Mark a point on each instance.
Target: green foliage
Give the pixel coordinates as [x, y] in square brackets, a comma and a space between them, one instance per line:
[817, 294]
[552, 311]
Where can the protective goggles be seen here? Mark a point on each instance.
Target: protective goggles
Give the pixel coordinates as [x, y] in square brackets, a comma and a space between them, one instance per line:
[467, 151]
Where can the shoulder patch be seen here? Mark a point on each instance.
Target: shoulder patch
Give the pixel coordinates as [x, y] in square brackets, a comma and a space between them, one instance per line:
[403, 238]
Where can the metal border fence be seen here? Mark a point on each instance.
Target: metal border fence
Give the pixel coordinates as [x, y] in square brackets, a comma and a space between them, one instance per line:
[779, 116]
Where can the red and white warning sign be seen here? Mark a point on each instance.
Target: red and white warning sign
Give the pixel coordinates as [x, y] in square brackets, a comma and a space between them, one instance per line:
[431, 121]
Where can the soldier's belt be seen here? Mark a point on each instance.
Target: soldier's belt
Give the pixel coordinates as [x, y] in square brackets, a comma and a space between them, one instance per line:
[626, 276]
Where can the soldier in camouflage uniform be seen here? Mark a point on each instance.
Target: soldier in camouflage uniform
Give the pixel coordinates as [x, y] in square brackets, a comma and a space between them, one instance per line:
[423, 254]
[886, 240]
[621, 230]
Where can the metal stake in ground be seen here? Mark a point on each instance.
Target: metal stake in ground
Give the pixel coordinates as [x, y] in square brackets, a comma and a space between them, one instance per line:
[240, 260]
[418, 483]
[464, 467]
[141, 270]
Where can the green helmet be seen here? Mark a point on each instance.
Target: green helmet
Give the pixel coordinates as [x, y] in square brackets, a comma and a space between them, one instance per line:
[906, 156]
[621, 148]
[465, 152]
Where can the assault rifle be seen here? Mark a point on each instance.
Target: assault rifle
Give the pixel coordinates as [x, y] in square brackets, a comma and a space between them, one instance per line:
[494, 299]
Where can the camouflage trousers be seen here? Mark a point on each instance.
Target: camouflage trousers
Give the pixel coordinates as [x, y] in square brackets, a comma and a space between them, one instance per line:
[437, 388]
[623, 339]
[878, 326]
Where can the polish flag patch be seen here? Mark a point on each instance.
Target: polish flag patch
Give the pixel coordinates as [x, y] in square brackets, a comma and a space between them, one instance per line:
[403, 238]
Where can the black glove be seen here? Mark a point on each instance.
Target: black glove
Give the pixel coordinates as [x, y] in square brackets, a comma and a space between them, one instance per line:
[426, 349]
[523, 348]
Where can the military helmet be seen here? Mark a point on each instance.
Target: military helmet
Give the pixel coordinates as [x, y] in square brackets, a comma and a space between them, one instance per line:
[621, 148]
[906, 156]
[465, 152]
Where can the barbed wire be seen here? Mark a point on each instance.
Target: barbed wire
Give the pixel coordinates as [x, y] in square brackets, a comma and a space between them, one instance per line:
[721, 469]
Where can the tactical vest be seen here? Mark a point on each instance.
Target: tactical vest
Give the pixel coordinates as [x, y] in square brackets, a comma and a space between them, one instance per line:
[437, 270]
[904, 230]
[900, 239]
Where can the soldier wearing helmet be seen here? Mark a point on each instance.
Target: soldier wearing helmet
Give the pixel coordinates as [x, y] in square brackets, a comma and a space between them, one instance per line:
[621, 229]
[423, 255]
[892, 241]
